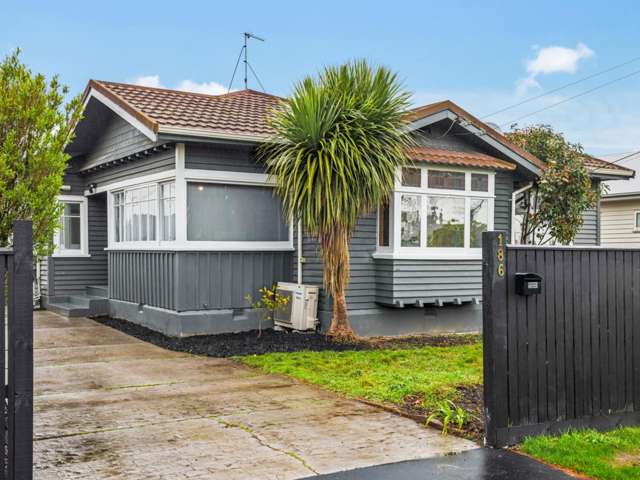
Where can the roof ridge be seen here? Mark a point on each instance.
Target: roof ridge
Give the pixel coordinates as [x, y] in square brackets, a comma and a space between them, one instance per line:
[106, 83]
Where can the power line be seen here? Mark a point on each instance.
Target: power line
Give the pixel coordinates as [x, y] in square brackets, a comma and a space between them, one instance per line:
[581, 94]
[616, 161]
[584, 79]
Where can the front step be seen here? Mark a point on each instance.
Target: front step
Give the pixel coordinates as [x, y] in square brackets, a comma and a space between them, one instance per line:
[79, 305]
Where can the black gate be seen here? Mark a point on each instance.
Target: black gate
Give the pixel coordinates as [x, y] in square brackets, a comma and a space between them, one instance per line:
[16, 355]
[563, 350]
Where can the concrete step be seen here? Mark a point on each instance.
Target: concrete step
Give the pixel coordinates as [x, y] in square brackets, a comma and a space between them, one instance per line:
[79, 305]
[68, 309]
[98, 291]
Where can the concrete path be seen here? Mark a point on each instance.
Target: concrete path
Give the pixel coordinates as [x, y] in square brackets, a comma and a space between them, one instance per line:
[110, 406]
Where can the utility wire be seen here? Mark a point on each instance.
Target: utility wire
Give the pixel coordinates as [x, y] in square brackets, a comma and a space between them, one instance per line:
[615, 161]
[581, 94]
[584, 79]
[236, 68]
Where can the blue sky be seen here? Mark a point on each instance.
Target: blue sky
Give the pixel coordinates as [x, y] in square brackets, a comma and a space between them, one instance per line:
[482, 55]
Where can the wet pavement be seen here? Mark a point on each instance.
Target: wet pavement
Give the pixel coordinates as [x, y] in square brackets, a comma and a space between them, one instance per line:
[109, 406]
[482, 463]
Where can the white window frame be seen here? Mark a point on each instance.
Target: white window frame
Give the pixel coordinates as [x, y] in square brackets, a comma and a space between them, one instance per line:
[636, 227]
[395, 250]
[83, 251]
[182, 176]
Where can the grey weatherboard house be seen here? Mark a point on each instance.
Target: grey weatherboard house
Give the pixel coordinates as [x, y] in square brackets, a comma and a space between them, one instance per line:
[169, 220]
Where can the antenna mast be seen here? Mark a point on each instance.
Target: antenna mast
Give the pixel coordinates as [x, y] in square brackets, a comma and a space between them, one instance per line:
[247, 36]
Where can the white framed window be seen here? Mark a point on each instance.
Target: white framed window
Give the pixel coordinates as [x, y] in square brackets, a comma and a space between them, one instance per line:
[71, 238]
[168, 211]
[637, 221]
[441, 212]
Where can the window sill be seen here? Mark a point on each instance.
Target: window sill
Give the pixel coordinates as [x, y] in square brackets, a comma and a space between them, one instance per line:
[71, 255]
[467, 255]
[204, 247]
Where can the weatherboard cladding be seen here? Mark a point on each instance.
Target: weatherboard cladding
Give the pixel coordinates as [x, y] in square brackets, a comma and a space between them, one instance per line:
[155, 162]
[589, 232]
[68, 275]
[221, 157]
[118, 140]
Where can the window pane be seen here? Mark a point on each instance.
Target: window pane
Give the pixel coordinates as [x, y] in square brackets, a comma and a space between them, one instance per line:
[383, 225]
[411, 177]
[479, 213]
[638, 220]
[446, 180]
[72, 209]
[234, 213]
[445, 222]
[70, 224]
[479, 182]
[410, 221]
[167, 211]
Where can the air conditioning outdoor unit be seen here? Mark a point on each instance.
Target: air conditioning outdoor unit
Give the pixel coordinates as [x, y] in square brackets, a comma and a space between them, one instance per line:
[301, 313]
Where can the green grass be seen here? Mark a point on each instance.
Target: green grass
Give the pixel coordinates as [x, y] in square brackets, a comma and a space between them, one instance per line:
[607, 456]
[387, 375]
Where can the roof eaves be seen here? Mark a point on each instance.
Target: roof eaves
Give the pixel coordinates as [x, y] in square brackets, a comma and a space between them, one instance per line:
[212, 134]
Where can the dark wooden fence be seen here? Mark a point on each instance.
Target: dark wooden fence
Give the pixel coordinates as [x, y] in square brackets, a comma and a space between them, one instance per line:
[568, 357]
[16, 355]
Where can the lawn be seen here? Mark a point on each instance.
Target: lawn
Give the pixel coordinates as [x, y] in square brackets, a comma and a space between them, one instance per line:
[606, 456]
[426, 375]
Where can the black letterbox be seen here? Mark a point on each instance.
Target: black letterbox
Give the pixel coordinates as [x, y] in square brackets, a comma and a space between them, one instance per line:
[528, 284]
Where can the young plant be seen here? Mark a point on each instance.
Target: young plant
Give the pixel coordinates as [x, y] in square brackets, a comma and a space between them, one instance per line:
[448, 413]
[270, 302]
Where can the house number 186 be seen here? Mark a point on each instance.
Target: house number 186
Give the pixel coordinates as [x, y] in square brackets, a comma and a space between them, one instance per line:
[500, 255]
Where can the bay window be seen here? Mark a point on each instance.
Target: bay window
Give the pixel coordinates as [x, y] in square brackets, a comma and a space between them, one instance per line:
[440, 211]
[135, 213]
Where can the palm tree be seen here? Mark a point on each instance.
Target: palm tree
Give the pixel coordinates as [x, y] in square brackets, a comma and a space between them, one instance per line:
[339, 141]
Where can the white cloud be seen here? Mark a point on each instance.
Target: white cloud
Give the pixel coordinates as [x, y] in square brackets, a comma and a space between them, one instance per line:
[558, 59]
[553, 59]
[211, 88]
[148, 81]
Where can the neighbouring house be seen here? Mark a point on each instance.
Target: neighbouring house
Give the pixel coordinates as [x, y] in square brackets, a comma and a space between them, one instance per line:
[169, 220]
[620, 207]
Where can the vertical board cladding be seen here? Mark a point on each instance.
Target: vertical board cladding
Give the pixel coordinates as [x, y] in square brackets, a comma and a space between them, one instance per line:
[143, 277]
[154, 162]
[118, 139]
[221, 157]
[567, 357]
[221, 280]
[68, 275]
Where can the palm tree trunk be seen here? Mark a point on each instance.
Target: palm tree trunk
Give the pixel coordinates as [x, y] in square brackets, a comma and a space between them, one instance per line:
[334, 246]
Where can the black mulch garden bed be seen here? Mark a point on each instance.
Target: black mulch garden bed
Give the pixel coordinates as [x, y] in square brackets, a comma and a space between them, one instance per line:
[470, 398]
[249, 343]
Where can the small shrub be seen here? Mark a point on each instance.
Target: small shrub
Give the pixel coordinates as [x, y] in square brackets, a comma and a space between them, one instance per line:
[448, 413]
[270, 302]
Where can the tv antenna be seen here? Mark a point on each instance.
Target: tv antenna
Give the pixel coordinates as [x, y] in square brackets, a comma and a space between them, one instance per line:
[247, 65]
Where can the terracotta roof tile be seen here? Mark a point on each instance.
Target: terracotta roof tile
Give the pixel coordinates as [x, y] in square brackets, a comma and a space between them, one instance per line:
[594, 164]
[243, 112]
[461, 159]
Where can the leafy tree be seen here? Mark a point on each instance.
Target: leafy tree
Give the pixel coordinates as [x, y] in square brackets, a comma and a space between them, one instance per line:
[35, 127]
[553, 207]
[339, 141]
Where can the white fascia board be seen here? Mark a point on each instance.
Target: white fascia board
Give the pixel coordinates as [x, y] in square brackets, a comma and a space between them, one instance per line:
[118, 110]
[219, 176]
[204, 132]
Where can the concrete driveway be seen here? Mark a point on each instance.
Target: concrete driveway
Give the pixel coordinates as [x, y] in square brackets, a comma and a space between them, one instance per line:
[110, 406]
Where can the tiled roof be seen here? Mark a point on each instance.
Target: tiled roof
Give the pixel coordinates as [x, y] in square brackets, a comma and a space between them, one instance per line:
[461, 159]
[243, 112]
[602, 166]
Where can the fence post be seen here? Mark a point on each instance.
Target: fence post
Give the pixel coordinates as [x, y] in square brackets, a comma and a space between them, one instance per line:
[21, 353]
[494, 333]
